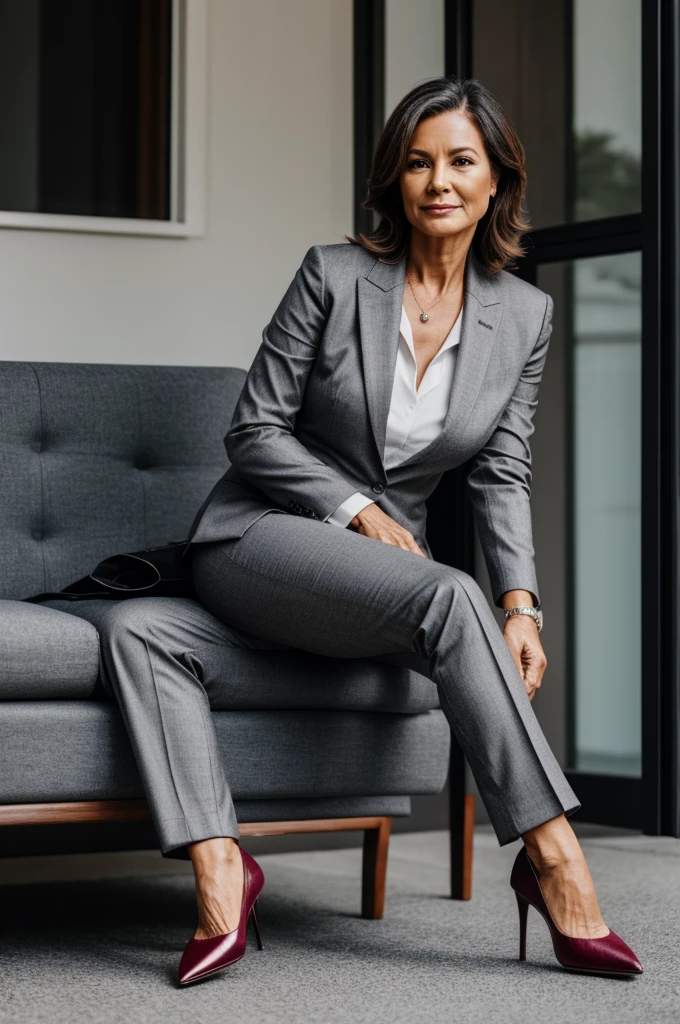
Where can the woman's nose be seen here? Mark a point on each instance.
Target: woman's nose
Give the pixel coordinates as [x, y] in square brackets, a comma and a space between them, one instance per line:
[439, 181]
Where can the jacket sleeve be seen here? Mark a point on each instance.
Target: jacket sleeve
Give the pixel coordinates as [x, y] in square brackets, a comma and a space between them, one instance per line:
[260, 442]
[499, 481]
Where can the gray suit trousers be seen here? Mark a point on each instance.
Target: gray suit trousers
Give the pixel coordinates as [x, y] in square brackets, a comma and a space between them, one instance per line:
[302, 583]
[308, 584]
[161, 660]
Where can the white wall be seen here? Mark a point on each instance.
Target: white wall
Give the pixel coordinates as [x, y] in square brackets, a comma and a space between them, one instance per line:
[279, 180]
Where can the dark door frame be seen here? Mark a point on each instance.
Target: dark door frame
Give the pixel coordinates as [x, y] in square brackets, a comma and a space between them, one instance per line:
[369, 98]
[653, 802]
[661, 416]
[605, 799]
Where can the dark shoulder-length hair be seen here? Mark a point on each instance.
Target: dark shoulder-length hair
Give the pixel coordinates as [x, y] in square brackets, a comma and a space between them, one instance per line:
[496, 241]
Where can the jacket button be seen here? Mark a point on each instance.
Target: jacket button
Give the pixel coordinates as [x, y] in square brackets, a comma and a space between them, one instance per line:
[378, 488]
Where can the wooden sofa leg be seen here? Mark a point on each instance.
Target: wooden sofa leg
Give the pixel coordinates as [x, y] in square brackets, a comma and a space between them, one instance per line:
[374, 871]
[462, 838]
[462, 826]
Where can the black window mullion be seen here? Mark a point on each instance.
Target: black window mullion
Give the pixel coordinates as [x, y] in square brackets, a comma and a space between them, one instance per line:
[661, 426]
[581, 240]
[369, 99]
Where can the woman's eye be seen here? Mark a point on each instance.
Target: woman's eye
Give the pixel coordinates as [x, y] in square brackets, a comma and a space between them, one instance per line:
[461, 161]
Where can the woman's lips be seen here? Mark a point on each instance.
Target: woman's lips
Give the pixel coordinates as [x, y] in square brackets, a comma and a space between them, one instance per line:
[439, 211]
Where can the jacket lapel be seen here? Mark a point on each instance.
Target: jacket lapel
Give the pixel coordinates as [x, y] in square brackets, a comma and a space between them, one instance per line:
[380, 297]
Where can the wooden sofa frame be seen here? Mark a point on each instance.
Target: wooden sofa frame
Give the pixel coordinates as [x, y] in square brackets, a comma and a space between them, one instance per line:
[376, 834]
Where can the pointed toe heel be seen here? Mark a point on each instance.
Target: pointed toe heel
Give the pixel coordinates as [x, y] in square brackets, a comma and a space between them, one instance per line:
[203, 957]
[607, 955]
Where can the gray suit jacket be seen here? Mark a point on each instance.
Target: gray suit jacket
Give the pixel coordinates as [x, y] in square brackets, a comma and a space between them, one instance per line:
[309, 427]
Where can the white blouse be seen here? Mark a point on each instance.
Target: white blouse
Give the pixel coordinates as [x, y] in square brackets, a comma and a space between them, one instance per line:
[416, 416]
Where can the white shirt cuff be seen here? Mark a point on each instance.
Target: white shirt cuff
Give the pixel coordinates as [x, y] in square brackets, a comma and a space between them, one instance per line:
[347, 510]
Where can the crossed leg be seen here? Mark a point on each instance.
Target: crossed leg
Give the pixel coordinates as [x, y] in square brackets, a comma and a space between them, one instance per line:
[334, 592]
[293, 580]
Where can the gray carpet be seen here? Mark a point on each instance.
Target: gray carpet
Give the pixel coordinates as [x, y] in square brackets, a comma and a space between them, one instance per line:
[106, 949]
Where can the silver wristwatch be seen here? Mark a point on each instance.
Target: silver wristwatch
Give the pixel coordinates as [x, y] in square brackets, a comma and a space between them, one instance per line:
[525, 609]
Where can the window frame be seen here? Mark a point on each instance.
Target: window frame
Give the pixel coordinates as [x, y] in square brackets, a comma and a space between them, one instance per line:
[605, 799]
[651, 802]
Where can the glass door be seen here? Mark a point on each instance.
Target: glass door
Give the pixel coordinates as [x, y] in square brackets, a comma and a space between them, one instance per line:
[570, 75]
[599, 352]
[592, 256]
[605, 511]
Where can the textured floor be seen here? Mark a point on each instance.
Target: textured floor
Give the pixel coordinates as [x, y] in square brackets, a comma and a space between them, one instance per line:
[106, 949]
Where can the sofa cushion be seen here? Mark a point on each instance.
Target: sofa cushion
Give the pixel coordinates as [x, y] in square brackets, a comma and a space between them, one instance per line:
[248, 673]
[99, 459]
[79, 750]
[45, 654]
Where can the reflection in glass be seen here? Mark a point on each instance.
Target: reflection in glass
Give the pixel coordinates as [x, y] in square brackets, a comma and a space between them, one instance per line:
[85, 97]
[606, 108]
[606, 533]
[568, 73]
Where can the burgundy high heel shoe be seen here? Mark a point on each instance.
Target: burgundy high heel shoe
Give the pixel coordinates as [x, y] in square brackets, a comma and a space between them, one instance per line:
[207, 956]
[607, 955]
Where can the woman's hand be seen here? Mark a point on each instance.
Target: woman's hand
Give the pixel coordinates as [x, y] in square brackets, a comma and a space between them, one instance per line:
[373, 522]
[521, 636]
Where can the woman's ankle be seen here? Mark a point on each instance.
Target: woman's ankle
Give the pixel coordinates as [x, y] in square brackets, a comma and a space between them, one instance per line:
[553, 845]
[208, 854]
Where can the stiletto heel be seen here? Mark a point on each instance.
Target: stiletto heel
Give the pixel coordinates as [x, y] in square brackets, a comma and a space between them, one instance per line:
[523, 908]
[256, 926]
[207, 956]
[606, 955]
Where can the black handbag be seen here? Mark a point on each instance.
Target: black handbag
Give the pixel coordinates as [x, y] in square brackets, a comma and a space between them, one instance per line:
[154, 572]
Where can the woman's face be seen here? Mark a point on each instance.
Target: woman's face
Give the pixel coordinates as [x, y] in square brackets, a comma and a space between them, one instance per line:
[447, 164]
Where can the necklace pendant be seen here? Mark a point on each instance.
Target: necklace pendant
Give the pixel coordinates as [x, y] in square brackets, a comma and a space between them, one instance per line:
[424, 317]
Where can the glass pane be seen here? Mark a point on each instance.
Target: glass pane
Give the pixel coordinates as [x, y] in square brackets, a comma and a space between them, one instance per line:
[568, 72]
[598, 302]
[85, 88]
[607, 108]
[606, 513]
[521, 51]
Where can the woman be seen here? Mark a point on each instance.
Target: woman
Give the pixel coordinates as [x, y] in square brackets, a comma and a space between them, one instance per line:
[349, 415]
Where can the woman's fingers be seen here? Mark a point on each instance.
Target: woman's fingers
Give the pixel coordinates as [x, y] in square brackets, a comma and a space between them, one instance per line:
[402, 539]
[373, 522]
[397, 538]
[527, 652]
[412, 544]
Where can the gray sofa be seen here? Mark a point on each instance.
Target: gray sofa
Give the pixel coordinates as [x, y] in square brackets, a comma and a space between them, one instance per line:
[98, 459]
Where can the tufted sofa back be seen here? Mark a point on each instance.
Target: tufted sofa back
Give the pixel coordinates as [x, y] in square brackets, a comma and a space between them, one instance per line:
[97, 459]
